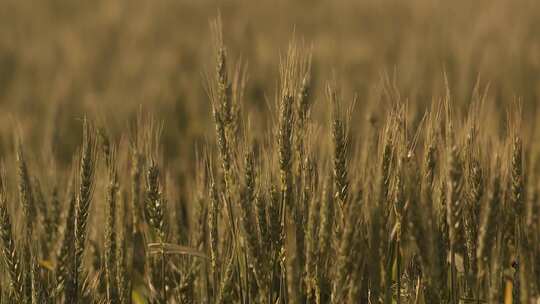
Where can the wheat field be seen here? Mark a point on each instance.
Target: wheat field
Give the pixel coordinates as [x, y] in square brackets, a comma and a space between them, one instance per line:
[269, 152]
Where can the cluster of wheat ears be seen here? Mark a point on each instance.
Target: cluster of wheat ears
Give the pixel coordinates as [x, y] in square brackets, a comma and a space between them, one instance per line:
[440, 212]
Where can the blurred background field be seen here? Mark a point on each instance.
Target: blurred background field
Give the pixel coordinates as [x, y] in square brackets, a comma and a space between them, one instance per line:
[60, 59]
